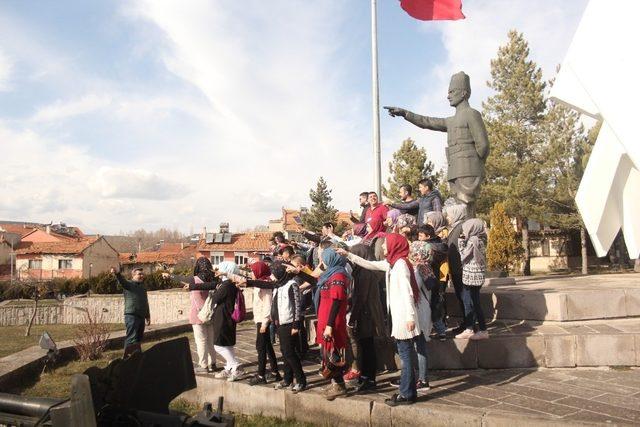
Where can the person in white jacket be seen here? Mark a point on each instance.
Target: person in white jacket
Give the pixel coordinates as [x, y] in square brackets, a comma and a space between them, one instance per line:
[404, 304]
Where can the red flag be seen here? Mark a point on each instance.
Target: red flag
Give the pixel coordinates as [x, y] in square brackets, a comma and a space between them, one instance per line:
[433, 10]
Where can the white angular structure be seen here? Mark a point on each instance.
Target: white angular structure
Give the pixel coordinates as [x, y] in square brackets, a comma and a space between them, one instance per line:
[600, 78]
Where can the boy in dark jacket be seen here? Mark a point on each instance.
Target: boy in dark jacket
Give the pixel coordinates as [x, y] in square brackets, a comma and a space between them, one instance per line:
[136, 308]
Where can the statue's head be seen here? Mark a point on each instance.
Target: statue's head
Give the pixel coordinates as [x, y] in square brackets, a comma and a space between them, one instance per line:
[459, 88]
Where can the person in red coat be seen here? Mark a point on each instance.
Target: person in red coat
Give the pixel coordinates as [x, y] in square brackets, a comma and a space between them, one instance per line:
[332, 320]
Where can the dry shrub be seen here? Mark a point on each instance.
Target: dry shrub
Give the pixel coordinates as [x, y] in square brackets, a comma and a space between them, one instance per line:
[91, 338]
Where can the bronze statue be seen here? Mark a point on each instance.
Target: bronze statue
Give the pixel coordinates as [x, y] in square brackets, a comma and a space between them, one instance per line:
[468, 145]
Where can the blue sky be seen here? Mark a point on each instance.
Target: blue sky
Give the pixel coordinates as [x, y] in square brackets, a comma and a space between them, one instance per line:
[149, 113]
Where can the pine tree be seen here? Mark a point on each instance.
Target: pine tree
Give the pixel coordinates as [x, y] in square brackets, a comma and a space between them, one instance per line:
[503, 248]
[513, 116]
[321, 210]
[410, 164]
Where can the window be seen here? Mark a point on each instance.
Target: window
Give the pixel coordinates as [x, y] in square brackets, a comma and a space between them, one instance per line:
[241, 259]
[65, 264]
[35, 264]
[545, 248]
[217, 258]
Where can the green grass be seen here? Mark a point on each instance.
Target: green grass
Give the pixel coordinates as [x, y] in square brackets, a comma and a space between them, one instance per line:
[13, 339]
[57, 384]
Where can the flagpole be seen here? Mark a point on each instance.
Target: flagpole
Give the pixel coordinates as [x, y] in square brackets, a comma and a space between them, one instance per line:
[376, 97]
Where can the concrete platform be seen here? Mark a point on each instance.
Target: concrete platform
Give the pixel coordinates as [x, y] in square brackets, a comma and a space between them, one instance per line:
[564, 298]
[522, 397]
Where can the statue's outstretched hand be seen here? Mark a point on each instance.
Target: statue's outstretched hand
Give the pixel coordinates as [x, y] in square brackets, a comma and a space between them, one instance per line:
[395, 111]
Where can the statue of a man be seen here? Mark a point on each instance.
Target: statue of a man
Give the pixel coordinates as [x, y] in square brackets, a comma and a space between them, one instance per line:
[468, 145]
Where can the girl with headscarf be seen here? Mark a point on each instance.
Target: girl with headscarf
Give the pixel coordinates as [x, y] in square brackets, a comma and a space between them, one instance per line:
[456, 214]
[262, 299]
[224, 327]
[474, 266]
[331, 332]
[375, 229]
[199, 285]
[438, 222]
[403, 302]
[287, 314]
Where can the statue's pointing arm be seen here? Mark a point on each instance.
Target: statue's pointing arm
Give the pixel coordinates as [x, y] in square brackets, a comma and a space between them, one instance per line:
[432, 123]
[479, 134]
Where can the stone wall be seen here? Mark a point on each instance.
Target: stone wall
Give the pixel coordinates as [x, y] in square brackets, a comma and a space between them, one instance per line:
[166, 307]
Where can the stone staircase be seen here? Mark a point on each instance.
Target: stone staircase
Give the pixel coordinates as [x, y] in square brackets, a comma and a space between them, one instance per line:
[581, 321]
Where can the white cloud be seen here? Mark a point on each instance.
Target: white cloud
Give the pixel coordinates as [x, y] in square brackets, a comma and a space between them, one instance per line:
[63, 110]
[121, 183]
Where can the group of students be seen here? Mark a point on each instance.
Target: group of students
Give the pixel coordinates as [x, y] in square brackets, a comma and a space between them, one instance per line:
[378, 285]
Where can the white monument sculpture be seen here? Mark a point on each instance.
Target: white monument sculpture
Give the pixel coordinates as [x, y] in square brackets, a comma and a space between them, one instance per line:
[599, 78]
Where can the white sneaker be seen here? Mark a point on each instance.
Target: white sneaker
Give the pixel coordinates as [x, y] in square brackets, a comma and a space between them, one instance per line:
[236, 374]
[225, 373]
[480, 335]
[465, 335]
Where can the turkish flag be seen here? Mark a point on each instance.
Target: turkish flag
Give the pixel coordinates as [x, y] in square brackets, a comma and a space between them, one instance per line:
[433, 10]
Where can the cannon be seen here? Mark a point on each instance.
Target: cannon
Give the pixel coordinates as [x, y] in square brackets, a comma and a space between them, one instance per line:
[135, 391]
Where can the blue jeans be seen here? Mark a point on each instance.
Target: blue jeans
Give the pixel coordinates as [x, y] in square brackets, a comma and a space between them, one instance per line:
[440, 327]
[423, 361]
[135, 329]
[472, 309]
[407, 353]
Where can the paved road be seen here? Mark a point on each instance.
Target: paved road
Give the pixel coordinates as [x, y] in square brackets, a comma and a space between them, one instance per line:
[595, 395]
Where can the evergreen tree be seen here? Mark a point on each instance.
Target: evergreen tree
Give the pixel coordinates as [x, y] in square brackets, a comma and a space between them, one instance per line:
[503, 248]
[410, 164]
[321, 210]
[513, 115]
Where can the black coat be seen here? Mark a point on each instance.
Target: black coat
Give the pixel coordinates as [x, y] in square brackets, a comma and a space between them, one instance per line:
[224, 328]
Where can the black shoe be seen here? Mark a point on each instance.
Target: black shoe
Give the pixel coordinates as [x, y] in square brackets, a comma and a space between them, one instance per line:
[395, 382]
[422, 385]
[273, 377]
[442, 337]
[397, 400]
[213, 368]
[458, 330]
[257, 379]
[365, 385]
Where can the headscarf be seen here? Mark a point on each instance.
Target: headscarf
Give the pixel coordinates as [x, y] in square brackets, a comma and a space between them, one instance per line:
[437, 221]
[334, 263]
[420, 255]
[377, 229]
[456, 214]
[406, 220]
[398, 248]
[261, 270]
[204, 270]
[228, 267]
[473, 230]
[393, 215]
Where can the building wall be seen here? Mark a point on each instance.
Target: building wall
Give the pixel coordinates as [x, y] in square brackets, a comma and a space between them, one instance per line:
[50, 268]
[101, 255]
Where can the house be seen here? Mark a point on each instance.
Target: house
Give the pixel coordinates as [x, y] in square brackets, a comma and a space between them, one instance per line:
[165, 256]
[291, 222]
[45, 254]
[237, 247]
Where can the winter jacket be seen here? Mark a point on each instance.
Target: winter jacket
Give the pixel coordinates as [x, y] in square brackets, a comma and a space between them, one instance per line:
[430, 202]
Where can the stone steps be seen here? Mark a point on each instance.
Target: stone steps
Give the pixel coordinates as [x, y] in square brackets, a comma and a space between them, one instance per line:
[521, 302]
[527, 344]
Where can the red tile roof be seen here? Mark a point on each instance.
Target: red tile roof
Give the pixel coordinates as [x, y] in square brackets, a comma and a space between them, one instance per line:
[242, 242]
[166, 256]
[62, 247]
[293, 222]
[16, 228]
